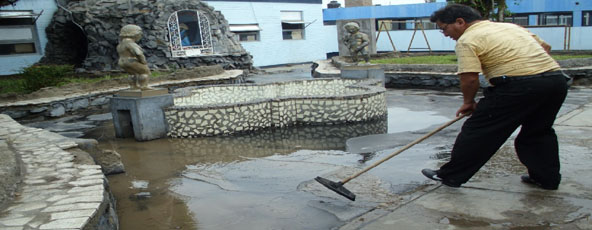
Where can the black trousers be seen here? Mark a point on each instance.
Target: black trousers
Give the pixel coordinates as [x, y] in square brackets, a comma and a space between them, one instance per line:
[532, 103]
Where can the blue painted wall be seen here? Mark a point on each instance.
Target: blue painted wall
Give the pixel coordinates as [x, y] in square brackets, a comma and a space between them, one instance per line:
[276, 1]
[426, 9]
[539, 6]
[392, 11]
[11, 64]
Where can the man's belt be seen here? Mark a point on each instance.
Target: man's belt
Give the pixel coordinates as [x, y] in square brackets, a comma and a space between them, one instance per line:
[505, 79]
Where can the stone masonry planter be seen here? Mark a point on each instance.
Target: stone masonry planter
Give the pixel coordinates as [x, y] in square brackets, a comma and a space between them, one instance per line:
[230, 109]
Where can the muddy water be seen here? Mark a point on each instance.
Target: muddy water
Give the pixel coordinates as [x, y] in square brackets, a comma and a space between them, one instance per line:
[256, 181]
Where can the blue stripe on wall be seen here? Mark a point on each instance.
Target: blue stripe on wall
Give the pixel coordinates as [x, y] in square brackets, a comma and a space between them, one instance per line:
[423, 10]
[284, 1]
[391, 11]
[540, 6]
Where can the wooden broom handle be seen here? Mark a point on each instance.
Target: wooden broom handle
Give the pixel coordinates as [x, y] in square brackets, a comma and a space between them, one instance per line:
[404, 148]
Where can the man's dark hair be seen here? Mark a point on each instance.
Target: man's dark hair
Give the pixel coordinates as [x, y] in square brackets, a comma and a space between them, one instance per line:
[450, 13]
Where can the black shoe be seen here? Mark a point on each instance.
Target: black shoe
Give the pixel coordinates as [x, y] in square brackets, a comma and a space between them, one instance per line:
[433, 174]
[526, 179]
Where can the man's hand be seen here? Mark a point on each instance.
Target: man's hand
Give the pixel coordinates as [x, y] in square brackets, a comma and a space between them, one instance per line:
[466, 109]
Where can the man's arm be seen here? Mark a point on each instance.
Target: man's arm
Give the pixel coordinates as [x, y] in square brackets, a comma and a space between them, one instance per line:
[469, 86]
[547, 47]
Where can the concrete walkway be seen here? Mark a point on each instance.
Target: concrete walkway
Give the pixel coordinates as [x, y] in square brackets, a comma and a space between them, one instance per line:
[502, 201]
[60, 187]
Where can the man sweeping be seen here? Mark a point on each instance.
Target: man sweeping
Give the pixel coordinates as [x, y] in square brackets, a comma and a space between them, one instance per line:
[527, 91]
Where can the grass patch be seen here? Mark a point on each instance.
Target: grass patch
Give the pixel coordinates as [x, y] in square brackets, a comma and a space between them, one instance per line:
[564, 57]
[39, 76]
[90, 80]
[21, 83]
[12, 85]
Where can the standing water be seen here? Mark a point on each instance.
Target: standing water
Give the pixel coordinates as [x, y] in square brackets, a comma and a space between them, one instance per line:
[261, 180]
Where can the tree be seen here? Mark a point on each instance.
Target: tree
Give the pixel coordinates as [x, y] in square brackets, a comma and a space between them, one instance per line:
[489, 9]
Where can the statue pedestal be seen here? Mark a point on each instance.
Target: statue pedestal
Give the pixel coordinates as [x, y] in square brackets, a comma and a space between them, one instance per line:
[140, 117]
[363, 71]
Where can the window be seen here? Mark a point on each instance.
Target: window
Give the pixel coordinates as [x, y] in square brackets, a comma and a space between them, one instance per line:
[292, 25]
[246, 32]
[586, 18]
[555, 19]
[518, 19]
[19, 33]
[388, 24]
[189, 34]
[405, 24]
[427, 25]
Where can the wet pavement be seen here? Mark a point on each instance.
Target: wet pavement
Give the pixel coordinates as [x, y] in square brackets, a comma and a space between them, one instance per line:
[265, 180]
[496, 199]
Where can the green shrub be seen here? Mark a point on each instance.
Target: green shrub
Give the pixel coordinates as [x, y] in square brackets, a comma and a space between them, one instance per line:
[39, 76]
[12, 85]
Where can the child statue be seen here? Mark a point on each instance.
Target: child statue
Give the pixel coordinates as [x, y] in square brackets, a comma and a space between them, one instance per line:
[356, 41]
[131, 57]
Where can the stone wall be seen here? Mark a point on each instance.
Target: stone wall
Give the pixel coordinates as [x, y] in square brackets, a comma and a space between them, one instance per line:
[85, 33]
[216, 110]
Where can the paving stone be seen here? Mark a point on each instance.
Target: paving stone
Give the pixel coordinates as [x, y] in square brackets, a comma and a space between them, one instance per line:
[68, 207]
[85, 189]
[91, 172]
[89, 167]
[32, 182]
[42, 188]
[80, 199]
[13, 228]
[101, 176]
[73, 214]
[28, 207]
[86, 182]
[57, 197]
[16, 222]
[73, 223]
[35, 223]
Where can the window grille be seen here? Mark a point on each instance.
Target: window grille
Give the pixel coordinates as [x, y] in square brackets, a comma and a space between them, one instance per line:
[189, 34]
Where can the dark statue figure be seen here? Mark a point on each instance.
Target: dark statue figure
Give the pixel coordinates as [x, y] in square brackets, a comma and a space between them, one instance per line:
[356, 41]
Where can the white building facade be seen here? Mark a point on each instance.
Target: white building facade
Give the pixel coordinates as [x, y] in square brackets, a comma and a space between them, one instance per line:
[277, 32]
[22, 33]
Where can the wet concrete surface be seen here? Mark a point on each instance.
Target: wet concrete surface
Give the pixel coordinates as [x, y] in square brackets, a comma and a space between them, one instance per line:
[265, 180]
[495, 198]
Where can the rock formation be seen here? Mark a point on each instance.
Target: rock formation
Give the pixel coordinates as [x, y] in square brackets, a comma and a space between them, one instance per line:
[85, 33]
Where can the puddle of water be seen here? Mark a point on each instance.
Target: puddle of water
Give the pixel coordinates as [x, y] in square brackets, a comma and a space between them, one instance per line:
[155, 168]
[403, 120]
[262, 180]
[260, 193]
